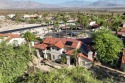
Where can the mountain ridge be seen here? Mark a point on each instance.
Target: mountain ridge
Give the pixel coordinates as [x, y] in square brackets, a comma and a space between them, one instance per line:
[26, 4]
[96, 4]
[11, 4]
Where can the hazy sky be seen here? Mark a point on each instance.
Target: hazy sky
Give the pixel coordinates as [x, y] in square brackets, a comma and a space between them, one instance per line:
[59, 1]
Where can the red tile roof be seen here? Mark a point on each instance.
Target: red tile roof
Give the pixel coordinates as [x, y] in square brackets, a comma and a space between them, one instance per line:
[60, 42]
[10, 35]
[51, 41]
[40, 46]
[70, 52]
[122, 31]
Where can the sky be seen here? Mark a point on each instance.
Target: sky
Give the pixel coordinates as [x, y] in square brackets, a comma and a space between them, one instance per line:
[58, 1]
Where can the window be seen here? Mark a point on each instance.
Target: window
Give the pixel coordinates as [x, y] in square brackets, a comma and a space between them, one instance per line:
[52, 47]
[53, 57]
[58, 49]
[48, 48]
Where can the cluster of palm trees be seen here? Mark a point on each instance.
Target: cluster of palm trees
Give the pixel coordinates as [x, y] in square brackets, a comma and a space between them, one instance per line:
[82, 20]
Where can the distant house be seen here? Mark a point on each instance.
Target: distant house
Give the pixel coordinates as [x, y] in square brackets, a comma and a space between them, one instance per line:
[27, 16]
[92, 23]
[71, 20]
[94, 26]
[2, 17]
[11, 15]
[12, 39]
[64, 27]
[56, 48]
[123, 61]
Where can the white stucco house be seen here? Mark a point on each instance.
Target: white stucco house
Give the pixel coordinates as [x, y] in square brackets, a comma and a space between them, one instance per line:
[11, 15]
[123, 61]
[2, 17]
[56, 48]
[27, 16]
[92, 23]
[12, 39]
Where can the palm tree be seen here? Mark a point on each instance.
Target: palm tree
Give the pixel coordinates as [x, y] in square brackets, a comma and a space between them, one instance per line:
[56, 25]
[71, 28]
[48, 24]
[65, 19]
[30, 37]
[116, 25]
[76, 56]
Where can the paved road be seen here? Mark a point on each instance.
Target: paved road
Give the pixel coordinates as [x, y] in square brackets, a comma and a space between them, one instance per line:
[27, 28]
[20, 29]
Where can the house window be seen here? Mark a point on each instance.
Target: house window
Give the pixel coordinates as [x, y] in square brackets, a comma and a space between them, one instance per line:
[58, 49]
[53, 57]
[48, 48]
[52, 47]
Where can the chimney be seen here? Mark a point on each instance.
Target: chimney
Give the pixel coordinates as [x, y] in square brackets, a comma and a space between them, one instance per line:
[90, 55]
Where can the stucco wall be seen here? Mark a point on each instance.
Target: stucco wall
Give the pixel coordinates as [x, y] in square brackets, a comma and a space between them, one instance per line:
[123, 67]
[55, 54]
[19, 40]
[88, 63]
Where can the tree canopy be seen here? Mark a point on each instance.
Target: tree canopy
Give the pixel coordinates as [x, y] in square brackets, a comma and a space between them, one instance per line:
[29, 36]
[13, 62]
[107, 45]
[74, 75]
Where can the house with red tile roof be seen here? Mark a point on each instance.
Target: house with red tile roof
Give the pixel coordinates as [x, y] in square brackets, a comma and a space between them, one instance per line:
[122, 31]
[123, 61]
[12, 39]
[56, 48]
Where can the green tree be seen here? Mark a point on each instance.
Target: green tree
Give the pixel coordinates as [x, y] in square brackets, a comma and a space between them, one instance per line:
[29, 37]
[13, 62]
[73, 75]
[115, 25]
[107, 45]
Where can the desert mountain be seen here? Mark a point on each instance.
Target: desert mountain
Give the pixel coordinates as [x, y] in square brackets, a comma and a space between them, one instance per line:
[28, 4]
[96, 4]
[11, 4]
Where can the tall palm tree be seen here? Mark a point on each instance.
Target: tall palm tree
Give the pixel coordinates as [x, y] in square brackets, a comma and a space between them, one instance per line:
[116, 25]
[65, 19]
[56, 25]
[30, 37]
[48, 26]
[76, 56]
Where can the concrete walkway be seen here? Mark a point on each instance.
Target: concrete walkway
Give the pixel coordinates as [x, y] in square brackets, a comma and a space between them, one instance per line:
[111, 69]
